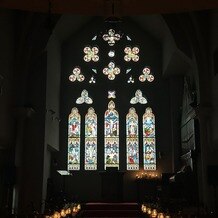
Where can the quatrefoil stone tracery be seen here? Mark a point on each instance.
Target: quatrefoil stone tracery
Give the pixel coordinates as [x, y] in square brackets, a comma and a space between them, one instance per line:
[91, 54]
[111, 71]
[76, 75]
[131, 54]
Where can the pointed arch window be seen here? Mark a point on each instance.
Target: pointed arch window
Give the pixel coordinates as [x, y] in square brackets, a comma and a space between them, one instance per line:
[132, 140]
[111, 134]
[91, 140]
[149, 148]
[74, 140]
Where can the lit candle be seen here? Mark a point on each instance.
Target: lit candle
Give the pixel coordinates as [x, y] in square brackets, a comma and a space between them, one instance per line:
[144, 209]
[74, 209]
[63, 214]
[160, 215]
[79, 207]
[148, 210]
[154, 213]
[68, 211]
[56, 215]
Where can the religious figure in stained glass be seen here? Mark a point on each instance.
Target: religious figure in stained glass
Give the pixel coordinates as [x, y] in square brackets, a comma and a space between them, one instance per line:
[132, 141]
[149, 148]
[111, 134]
[91, 140]
[74, 140]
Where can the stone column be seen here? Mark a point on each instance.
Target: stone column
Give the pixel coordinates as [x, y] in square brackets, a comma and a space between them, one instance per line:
[203, 115]
[21, 114]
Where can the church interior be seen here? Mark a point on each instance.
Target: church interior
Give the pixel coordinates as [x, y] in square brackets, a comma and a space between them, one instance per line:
[108, 108]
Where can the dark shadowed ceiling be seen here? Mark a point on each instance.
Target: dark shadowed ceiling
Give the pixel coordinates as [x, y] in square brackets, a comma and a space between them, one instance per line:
[110, 7]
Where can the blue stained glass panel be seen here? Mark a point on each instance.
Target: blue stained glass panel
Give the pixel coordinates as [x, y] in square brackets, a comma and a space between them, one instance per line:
[74, 140]
[132, 141]
[149, 146]
[149, 154]
[91, 140]
[111, 152]
[73, 153]
[111, 134]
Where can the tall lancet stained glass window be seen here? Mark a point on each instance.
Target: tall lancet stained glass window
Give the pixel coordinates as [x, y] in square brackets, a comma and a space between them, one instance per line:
[74, 140]
[91, 140]
[149, 148]
[111, 133]
[132, 140]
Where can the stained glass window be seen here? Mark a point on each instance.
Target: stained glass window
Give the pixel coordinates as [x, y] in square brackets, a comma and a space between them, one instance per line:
[111, 71]
[131, 54]
[76, 75]
[132, 141]
[74, 140]
[149, 150]
[138, 98]
[111, 117]
[84, 98]
[91, 54]
[111, 37]
[111, 133]
[146, 75]
[91, 140]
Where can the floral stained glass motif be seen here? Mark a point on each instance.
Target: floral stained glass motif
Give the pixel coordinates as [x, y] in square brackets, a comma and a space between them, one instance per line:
[128, 70]
[149, 147]
[128, 38]
[84, 98]
[95, 71]
[94, 38]
[111, 71]
[92, 80]
[132, 141]
[146, 75]
[111, 94]
[111, 53]
[74, 140]
[138, 98]
[111, 37]
[130, 80]
[76, 75]
[91, 54]
[91, 140]
[111, 134]
[131, 54]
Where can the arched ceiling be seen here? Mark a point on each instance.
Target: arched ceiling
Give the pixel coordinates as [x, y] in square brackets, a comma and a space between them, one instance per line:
[110, 7]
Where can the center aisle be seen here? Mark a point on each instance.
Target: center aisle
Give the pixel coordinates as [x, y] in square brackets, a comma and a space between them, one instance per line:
[91, 210]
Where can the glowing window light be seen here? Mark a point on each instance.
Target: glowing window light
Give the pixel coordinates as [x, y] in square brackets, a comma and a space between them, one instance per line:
[91, 54]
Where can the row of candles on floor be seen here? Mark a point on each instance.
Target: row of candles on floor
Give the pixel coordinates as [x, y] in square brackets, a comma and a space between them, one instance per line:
[153, 212]
[68, 211]
[147, 176]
